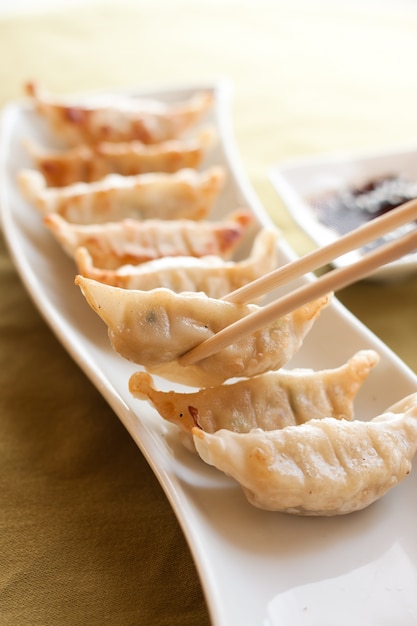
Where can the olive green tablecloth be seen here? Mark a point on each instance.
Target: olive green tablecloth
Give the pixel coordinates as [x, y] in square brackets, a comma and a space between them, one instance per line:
[86, 533]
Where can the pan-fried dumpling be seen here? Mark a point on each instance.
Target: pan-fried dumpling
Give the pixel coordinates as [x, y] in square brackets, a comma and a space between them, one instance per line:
[322, 467]
[209, 274]
[269, 401]
[88, 163]
[128, 241]
[118, 117]
[184, 194]
[154, 328]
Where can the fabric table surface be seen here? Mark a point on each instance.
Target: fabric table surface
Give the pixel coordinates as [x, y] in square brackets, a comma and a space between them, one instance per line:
[86, 533]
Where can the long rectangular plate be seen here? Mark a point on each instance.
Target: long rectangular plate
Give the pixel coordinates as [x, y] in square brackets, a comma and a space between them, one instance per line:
[256, 567]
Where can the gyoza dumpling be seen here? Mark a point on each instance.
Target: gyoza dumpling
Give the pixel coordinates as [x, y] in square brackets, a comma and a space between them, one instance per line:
[88, 163]
[185, 194]
[322, 467]
[118, 117]
[128, 241]
[154, 328]
[269, 401]
[210, 274]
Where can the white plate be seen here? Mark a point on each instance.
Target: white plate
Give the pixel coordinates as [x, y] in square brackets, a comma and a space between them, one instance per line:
[256, 567]
[297, 181]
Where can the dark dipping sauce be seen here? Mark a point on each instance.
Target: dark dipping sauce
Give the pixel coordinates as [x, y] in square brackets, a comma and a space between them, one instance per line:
[351, 207]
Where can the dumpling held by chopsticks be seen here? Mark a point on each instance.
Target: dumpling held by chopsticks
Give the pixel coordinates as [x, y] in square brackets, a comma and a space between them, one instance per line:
[154, 328]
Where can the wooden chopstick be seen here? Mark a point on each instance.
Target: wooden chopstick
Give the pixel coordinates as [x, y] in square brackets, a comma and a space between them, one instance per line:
[357, 238]
[332, 281]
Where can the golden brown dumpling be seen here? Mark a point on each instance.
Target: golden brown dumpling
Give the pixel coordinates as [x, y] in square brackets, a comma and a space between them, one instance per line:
[154, 328]
[322, 467]
[210, 274]
[118, 117]
[185, 194]
[269, 401]
[88, 163]
[128, 241]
